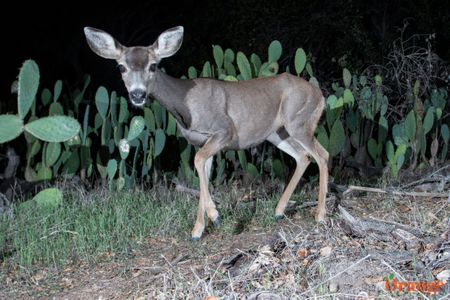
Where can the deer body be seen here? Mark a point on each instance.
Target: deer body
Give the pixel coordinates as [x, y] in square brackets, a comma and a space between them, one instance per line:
[228, 105]
[220, 115]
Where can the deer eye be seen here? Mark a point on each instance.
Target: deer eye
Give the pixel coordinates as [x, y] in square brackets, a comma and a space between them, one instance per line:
[152, 68]
[122, 68]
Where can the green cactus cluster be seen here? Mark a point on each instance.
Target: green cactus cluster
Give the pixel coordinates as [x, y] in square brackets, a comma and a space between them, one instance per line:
[49, 129]
[356, 126]
[121, 148]
[41, 134]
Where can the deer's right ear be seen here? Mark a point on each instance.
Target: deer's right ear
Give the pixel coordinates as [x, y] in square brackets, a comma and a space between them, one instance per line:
[102, 43]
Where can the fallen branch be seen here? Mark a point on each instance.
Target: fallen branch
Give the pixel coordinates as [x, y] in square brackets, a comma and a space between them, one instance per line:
[183, 189]
[428, 178]
[381, 230]
[352, 188]
[362, 228]
[174, 262]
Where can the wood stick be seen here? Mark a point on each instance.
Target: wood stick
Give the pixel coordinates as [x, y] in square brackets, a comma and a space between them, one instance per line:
[398, 193]
[183, 189]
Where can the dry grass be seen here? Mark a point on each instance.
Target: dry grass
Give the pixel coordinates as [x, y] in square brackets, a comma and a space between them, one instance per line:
[294, 259]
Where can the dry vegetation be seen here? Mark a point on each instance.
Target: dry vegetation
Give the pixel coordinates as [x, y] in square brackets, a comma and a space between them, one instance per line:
[367, 238]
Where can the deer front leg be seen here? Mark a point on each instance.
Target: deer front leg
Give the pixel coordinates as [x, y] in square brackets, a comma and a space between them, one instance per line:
[212, 146]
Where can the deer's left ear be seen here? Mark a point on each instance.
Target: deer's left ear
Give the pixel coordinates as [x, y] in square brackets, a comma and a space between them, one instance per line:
[169, 42]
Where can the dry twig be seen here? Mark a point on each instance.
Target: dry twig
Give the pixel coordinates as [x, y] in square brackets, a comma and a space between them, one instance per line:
[352, 188]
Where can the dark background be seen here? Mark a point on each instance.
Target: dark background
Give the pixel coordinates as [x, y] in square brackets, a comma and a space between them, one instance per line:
[359, 31]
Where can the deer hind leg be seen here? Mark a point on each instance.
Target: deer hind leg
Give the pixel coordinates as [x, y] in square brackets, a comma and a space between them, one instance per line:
[291, 147]
[202, 161]
[321, 208]
[310, 144]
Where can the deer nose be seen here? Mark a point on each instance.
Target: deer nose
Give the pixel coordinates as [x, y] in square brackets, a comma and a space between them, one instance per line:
[138, 97]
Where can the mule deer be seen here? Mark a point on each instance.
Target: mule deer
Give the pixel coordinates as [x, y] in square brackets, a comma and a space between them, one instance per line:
[220, 115]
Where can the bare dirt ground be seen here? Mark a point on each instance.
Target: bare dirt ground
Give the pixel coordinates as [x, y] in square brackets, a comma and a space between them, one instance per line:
[344, 258]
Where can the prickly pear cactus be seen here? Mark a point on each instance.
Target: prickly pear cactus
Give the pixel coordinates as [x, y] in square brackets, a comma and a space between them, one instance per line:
[274, 51]
[102, 101]
[27, 87]
[12, 127]
[54, 129]
[136, 126]
[244, 66]
[218, 55]
[300, 61]
[52, 153]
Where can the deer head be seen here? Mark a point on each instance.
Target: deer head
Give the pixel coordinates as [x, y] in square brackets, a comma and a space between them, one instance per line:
[137, 64]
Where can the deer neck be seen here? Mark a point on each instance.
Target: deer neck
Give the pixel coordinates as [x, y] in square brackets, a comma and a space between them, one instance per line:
[171, 93]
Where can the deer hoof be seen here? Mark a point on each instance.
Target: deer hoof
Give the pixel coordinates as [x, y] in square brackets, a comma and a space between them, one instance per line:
[195, 239]
[320, 218]
[278, 218]
[217, 222]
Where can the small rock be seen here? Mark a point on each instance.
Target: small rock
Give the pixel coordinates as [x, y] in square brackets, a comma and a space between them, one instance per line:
[333, 288]
[211, 298]
[264, 296]
[362, 296]
[443, 276]
[381, 286]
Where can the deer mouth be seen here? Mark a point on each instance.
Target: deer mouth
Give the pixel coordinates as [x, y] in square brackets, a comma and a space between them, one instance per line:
[138, 102]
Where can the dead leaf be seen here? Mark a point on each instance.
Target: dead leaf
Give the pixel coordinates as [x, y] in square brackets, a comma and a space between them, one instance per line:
[39, 276]
[302, 253]
[430, 215]
[355, 244]
[211, 298]
[137, 273]
[420, 110]
[67, 283]
[404, 208]
[265, 258]
[433, 151]
[373, 280]
[325, 251]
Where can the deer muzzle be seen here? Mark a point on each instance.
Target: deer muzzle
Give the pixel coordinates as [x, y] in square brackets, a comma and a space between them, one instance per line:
[138, 97]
